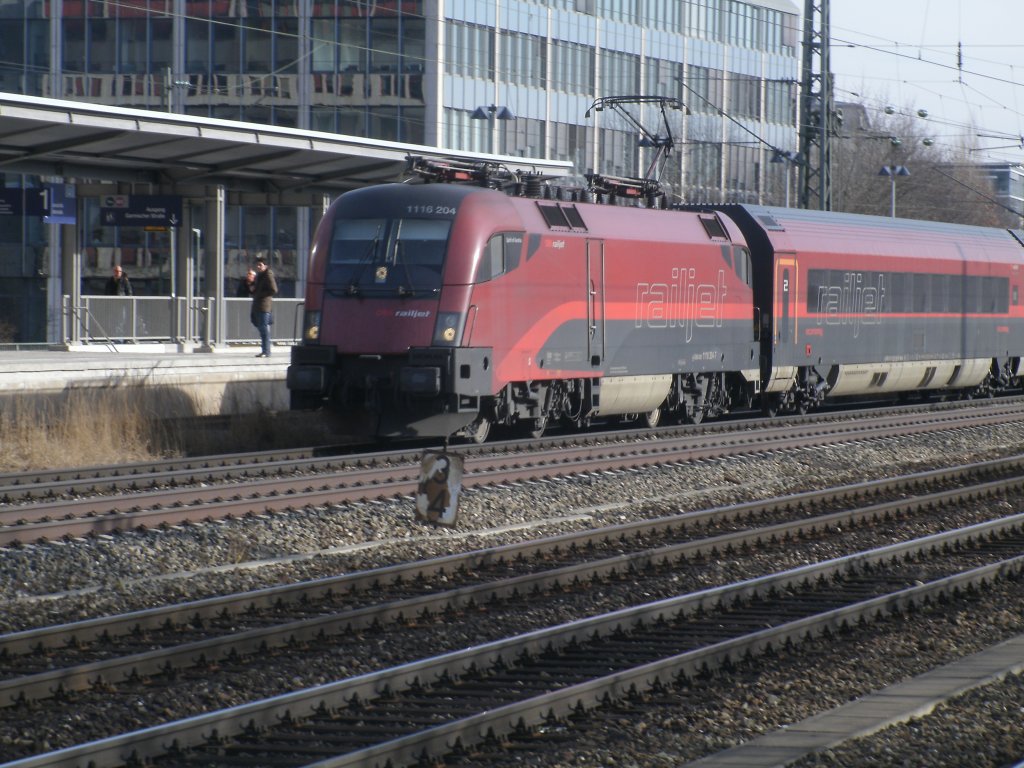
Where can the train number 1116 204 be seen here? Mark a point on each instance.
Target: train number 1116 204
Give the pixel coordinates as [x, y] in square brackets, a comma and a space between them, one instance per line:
[431, 210]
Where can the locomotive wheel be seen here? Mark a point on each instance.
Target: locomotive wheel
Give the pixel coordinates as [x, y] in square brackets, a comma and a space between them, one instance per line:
[653, 418]
[535, 428]
[696, 417]
[479, 430]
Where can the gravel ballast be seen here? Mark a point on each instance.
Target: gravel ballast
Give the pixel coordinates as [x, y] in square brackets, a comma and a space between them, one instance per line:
[57, 583]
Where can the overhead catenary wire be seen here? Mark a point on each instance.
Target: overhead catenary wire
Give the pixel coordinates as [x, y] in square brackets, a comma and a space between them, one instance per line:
[972, 74]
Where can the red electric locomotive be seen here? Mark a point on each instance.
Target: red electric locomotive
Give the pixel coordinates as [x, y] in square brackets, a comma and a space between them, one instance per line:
[441, 309]
[445, 309]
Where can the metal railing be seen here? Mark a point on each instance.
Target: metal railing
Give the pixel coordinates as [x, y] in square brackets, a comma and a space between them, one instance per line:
[142, 319]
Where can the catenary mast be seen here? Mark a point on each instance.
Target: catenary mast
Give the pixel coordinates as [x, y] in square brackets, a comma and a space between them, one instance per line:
[818, 119]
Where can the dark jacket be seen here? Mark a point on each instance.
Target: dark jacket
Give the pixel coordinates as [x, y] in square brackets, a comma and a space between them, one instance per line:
[264, 288]
[118, 286]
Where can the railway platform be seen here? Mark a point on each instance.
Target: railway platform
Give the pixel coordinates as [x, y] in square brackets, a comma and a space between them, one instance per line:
[177, 381]
[865, 716]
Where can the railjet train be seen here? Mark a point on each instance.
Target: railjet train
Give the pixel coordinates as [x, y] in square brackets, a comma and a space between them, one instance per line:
[445, 309]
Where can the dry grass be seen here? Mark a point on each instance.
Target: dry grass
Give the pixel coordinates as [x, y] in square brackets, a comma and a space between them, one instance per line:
[119, 425]
[81, 429]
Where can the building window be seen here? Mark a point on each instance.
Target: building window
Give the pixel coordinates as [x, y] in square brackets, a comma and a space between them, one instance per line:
[73, 39]
[780, 102]
[523, 59]
[469, 50]
[707, 87]
[226, 48]
[572, 67]
[618, 152]
[384, 53]
[570, 142]
[620, 73]
[744, 96]
[664, 78]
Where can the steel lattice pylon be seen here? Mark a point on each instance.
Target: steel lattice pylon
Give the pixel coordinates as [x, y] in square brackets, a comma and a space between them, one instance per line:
[817, 109]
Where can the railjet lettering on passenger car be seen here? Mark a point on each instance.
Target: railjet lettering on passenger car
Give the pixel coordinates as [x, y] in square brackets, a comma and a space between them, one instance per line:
[852, 303]
[684, 302]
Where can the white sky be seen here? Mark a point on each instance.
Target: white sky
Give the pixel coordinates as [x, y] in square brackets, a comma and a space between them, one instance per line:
[904, 53]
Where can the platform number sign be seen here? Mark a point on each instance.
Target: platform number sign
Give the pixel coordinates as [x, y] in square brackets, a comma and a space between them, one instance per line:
[60, 203]
[54, 202]
[437, 494]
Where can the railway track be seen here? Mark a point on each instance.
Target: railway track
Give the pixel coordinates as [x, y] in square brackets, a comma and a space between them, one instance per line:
[63, 483]
[447, 704]
[187, 496]
[554, 667]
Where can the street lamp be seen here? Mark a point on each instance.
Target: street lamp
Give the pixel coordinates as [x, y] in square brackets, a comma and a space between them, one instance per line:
[492, 113]
[892, 171]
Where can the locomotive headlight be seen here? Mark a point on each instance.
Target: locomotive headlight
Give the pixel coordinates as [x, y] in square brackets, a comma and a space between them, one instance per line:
[448, 329]
[311, 331]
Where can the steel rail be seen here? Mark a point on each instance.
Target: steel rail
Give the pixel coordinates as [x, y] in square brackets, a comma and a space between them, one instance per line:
[46, 480]
[560, 704]
[102, 481]
[32, 522]
[40, 482]
[16, 488]
[193, 731]
[80, 677]
[91, 630]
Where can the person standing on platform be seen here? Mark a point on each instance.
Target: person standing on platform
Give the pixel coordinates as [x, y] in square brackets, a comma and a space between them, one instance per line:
[118, 284]
[245, 286]
[263, 290]
[244, 291]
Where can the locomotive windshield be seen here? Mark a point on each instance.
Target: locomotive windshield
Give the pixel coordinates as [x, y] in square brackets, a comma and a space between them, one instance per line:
[387, 257]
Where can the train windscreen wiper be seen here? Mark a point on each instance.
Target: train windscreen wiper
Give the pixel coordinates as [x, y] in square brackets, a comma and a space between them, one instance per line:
[364, 261]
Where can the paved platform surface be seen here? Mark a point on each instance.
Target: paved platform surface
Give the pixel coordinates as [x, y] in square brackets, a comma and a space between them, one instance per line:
[187, 382]
[896, 704]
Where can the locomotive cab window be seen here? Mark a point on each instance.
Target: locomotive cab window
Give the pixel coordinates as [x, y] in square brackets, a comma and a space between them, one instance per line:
[419, 250]
[387, 256]
[356, 240]
[500, 255]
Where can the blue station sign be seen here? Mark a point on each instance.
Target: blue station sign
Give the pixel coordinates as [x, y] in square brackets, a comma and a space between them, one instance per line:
[54, 202]
[140, 210]
[60, 207]
[11, 202]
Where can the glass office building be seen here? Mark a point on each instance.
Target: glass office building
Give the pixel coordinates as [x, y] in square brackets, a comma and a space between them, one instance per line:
[416, 71]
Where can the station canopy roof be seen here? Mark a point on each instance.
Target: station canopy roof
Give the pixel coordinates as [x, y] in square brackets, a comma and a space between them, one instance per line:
[76, 140]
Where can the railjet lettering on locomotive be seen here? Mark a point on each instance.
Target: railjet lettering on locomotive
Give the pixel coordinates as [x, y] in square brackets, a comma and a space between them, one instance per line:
[684, 302]
[852, 303]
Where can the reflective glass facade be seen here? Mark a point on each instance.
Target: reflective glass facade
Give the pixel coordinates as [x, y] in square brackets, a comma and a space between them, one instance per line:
[733, 64]
[410, 71]
[414, 70]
